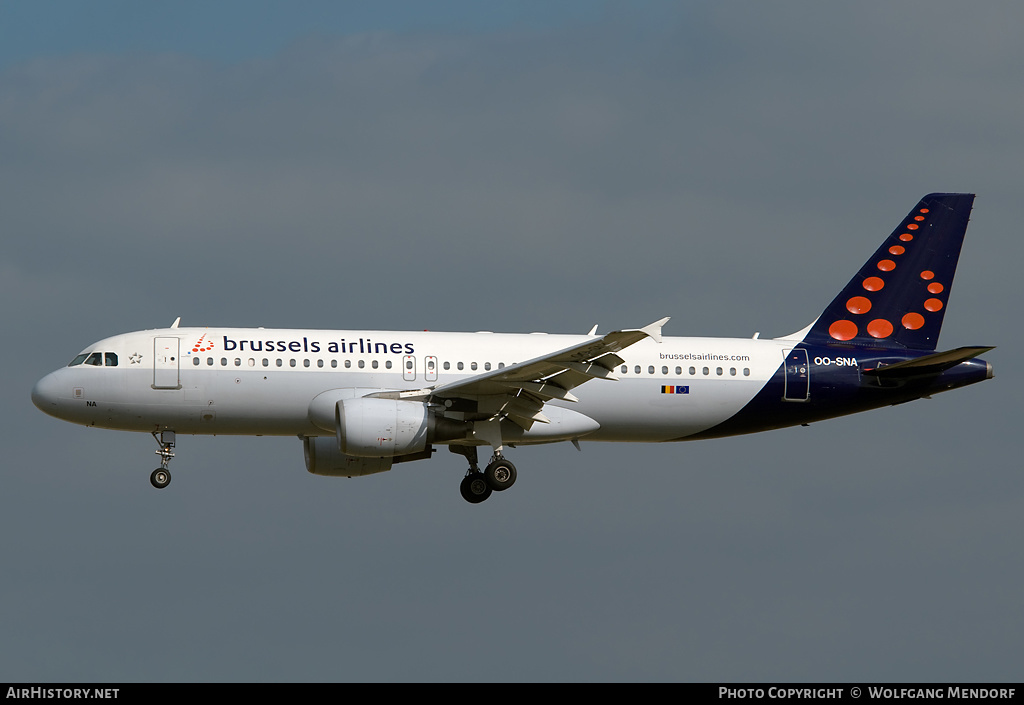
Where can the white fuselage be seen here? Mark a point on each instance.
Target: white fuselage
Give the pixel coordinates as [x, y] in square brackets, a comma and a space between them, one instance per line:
[262, 381]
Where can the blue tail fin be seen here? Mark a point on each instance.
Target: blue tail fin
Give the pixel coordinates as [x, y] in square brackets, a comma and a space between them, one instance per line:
[898, 298]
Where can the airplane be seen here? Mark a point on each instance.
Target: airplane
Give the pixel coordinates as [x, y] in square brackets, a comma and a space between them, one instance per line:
[364, 400]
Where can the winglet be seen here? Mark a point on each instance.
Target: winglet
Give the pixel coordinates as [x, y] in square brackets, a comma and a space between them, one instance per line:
[654, 329]
[176, 322]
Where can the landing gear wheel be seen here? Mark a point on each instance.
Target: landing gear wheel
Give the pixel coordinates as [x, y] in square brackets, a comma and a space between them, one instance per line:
[500, 474]
[474, 488]
[160, 478]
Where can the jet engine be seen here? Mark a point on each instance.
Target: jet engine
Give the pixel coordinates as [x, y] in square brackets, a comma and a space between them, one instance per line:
[371, 427]
[323, 457]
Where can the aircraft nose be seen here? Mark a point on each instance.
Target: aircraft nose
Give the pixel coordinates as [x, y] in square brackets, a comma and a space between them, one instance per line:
[44, 394]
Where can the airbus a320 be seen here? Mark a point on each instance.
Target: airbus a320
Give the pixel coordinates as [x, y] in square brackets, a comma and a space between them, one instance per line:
[364, 400]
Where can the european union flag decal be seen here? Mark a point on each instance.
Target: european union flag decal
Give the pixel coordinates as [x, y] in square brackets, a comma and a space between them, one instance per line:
[675, 390]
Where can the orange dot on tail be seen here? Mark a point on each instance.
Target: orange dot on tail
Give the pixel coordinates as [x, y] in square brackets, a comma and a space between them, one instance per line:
[918, 218]
[843, 330]
[912, 226]
[906, 237]
[873, 284]
[933, 305]
[858, 304]
[923, 210]
[913, 321]
[896, 250]
[887, 265]
[935, 288]
[879, 328]
[927, 275]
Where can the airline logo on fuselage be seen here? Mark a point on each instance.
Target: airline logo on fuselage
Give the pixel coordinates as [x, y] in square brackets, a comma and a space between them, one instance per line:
[202, 345]
[306, 345]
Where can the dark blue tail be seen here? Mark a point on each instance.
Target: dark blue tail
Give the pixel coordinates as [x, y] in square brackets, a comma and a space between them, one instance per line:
[898, 298]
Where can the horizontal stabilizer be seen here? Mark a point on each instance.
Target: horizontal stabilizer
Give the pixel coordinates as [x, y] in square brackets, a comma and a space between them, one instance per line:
[929, 364]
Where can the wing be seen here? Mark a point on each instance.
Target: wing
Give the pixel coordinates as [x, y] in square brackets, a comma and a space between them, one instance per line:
[518, 392]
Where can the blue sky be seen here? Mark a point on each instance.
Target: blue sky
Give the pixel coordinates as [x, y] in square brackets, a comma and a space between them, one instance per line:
[236, 30]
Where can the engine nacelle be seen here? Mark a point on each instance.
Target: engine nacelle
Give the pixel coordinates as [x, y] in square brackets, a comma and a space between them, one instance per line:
[323, 457]
[372, 427]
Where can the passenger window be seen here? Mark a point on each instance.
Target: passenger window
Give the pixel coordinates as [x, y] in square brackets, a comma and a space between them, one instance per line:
[637, 369]
[280, 362]
[487, 366]
[209, 361]
[196, 361]
[472, 365]
[718, 371]
[732, 371]
[664, 370]
[650, 370]
[223, 362]
[348, 363]
[362, 364]
[334, 363]
[625, 369]
[746, 371]
[238, 362]
[706, 371]
[319, 363]
[96, 359]
[374, 364]
[447, 365]
[305, 363]
[387, 364]
[111, 359]
[693, 370]
[291, 362]
[460, 365]
[266, 362]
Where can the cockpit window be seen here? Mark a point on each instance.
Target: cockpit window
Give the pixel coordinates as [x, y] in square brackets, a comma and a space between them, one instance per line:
[95, 359]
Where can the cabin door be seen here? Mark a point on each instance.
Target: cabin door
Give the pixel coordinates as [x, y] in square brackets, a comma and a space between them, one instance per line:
[798, 379]
[165, 363]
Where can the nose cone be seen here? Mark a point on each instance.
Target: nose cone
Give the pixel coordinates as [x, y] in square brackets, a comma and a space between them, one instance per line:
[45, 395]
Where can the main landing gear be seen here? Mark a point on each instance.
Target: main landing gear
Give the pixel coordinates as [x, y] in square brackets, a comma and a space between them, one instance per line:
[476, 486]
[161, 477]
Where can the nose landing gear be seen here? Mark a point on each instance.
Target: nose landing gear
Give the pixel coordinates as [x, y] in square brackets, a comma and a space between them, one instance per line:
[161, 477]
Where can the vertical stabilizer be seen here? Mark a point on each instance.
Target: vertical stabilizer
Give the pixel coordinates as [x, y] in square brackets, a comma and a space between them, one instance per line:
[898, 298]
